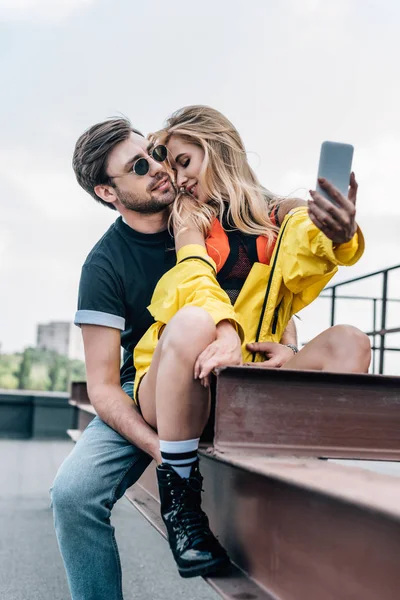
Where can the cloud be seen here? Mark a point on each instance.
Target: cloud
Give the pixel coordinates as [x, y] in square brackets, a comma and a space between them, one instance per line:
[50, 192]
[376, 165]
[40, 10]
[318, 21]
[47, 230]
[320, 9]
[50, 222]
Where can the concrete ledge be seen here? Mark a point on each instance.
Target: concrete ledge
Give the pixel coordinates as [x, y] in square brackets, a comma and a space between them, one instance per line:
[16, 415]
[32, 394]
[26, 413]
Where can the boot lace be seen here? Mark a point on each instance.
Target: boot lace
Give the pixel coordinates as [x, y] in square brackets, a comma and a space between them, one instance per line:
[192, 519]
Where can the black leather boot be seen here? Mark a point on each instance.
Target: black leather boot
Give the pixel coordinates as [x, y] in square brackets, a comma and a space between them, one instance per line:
[196, 550]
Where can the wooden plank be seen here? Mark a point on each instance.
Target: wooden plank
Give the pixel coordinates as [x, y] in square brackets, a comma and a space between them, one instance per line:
[298, 529]
[307, 529]
[79, 391]
[353, 485]
[307, 413]
[86, 412]
[74, 434]
[84, 406]
[232, 584]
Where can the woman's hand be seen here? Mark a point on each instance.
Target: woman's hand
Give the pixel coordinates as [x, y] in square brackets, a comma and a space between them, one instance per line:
[225, 351]
[336, 221]
[277, 355]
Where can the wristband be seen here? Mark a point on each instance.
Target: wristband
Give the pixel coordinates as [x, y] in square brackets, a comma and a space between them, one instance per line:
[293, 348]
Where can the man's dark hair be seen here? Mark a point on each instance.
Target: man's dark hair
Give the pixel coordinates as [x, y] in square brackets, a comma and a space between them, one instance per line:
[92, 151]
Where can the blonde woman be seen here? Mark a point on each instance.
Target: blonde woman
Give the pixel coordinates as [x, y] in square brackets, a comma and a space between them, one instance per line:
[246, 262]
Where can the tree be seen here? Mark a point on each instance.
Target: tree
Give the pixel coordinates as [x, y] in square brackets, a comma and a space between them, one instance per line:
[37, 369]
[54, 372]
[77, 371]
[24, 370]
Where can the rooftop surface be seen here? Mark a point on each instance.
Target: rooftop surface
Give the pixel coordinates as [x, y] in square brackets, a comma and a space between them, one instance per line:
[30, 563]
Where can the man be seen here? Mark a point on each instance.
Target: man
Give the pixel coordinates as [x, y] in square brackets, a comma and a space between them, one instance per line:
[116, 166]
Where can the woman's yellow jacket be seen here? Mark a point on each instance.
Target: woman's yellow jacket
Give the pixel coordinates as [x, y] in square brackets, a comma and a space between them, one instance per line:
[303, 262]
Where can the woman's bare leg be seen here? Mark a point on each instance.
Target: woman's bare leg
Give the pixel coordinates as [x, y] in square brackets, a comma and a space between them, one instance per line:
[340, 349]
[171, 400]
[178, 406]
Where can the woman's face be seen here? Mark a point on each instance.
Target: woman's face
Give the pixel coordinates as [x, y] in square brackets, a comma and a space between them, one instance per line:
[187, 160]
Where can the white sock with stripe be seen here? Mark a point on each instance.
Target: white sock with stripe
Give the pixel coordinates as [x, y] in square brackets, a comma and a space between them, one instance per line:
[180, 455]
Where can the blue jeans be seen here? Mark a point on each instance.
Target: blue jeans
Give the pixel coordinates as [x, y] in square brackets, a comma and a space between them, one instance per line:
[92, 478]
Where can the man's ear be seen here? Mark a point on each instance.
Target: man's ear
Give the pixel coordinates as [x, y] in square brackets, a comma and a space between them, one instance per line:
[106, 193]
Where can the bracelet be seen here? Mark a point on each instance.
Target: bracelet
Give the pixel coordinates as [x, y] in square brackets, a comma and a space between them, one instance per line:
[293, 348]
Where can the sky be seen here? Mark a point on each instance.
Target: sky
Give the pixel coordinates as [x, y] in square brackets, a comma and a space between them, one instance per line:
[289, 75]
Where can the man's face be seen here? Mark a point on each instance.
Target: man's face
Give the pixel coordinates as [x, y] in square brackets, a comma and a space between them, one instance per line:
[146, 194]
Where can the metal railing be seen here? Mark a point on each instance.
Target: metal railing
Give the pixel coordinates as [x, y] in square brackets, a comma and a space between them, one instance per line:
[378, 333]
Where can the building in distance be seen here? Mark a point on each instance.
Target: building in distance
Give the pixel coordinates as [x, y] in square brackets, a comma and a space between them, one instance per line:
[62, 337]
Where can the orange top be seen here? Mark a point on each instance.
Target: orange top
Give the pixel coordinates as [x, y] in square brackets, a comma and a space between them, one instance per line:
[218, 245]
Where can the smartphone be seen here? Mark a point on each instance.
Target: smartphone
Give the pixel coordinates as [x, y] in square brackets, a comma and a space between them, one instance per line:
[335, 166]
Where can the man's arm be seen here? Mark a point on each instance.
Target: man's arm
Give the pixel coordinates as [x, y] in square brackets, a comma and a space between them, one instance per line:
[112, 404]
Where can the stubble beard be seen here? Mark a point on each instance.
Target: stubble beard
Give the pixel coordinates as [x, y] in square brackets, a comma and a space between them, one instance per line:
[155, 203]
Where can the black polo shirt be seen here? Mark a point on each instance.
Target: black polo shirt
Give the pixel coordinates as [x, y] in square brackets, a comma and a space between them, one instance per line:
[118, 280]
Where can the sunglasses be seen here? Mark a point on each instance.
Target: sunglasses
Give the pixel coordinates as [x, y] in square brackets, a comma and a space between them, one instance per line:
[141, 166]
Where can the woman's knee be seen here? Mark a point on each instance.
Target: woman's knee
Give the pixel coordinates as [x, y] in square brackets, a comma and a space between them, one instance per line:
[190, 331]
[352, 344]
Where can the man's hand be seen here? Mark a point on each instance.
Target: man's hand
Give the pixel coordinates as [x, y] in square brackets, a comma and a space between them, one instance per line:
[225, 351]
[337, 222]
[277, 355]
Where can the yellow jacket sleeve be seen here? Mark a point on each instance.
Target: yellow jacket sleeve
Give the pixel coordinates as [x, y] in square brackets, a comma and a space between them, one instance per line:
[310, 259]
[192, 282]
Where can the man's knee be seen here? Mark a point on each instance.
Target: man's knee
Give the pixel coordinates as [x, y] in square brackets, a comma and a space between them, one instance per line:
[71, 493]
[64, 494]
[352, 343]
[190, 331]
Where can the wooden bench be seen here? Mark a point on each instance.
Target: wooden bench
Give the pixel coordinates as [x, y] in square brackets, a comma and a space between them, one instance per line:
[297, 527]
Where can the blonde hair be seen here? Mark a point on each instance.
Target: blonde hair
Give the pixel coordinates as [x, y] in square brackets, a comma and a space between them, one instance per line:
[225, 177]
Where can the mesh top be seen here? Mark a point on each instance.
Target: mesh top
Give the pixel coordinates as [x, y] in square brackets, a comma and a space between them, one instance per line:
[233, 281]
